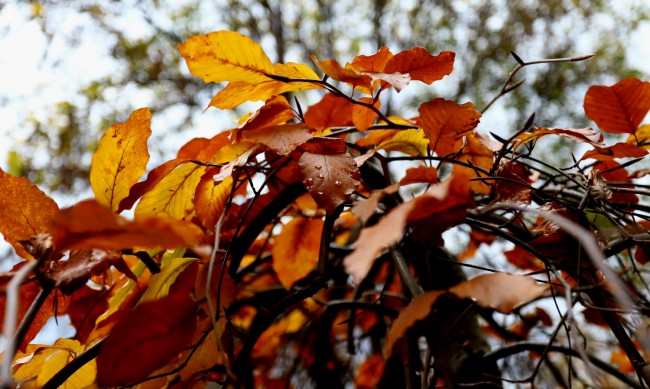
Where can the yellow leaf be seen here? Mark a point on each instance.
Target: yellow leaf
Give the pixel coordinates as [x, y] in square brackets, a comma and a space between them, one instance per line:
[641, 136]
[226, 56]
[237, 93]
[295, 252]
[120, 159]
[411, 142]
[210, 199]
[174, 193]
[26, 211]
[295, 71]
[171, 267]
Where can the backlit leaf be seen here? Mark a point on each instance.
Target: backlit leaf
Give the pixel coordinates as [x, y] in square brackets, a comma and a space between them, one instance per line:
[421, 65]
[443, 121]
[89, 225]
[146, 339]
[364, 117]
[226, 56]
[86, 305]
[477, 154]
[410, 142]
[641, 137]
[120, 159]
[210, 199]
[26, 211]
[420, 174]
[331, 111]
[204, 149]
[329, 173]
[372, 63]
[370, 372]
[619, 108]
[153, 178]
[586, 135]
[345, 74]
[275, 111]
[170, 268]
[295, 251]
[173, 194]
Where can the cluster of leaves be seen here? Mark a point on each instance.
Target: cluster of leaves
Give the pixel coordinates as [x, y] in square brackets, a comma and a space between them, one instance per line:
[262, 253]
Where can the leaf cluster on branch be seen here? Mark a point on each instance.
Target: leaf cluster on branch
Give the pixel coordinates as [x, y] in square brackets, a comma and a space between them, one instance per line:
[298, 246]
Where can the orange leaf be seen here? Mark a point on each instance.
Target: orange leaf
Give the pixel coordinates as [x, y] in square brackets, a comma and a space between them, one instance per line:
[120, 159]
[372, 63]
[88, 225]
[476, 153]
[421, 65]
[296, 248]
[86, 305]
[420, 174]
[331, 111]
[523, 259]
[443, 121]
[614, 172]
[619, 108]
[329, 173]
[619, 150]
[282, 138]
[500, 291]
[586, 135]
[204, 149]
[210, 199]
[146, 339]
[417, 310]
[275, 111]
[370, 372]
[363, 117]
[350, 76]
[26, 211]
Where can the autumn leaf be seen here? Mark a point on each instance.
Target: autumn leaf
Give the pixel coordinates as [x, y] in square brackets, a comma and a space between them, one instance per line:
[524, 260]
[275, 110]
[619, 108]
[146, 339]
[46, 361]
[618, 150]
[281, 138]
[345, 74]
[171, 268]
[418, 309]
[296, 248]
[421, 65]
[476, 238]
[226, 56]
[641, 137]
[202, 149]
[499, 291]
[420, 174]
[210, 199]
[329, 173]
[173, 194]
[370, 372]
[85, 306]
[443, 121]
[364, 117]
[586, 135]
[372, 63]
[409, 142]
[239, 92]
[331, 111]
[26, 211]
[153, 178]
[73, 273]
[443, 204]
[515, 182]
[120, 159]
[363, 210]
[614, 172]
[479, 156]
[89, 225]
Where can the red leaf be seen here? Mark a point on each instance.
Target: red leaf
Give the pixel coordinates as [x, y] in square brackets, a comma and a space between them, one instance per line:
[444, 121]
[329, 173]
[420, 174]
[613, 172]
[619, 108]
[421, 65]
[331, 111]
[86, 305]
[146, 339]
[282, 138]
[203, 149]
[88, 225]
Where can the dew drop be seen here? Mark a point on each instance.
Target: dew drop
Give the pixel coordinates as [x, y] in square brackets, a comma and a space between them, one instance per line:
[320, 193]
[320, 176]
[318, 167]
[338, 183]
[309, 182]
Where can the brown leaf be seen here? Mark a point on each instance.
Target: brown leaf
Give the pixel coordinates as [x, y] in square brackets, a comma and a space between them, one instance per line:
[619, 150]
[619, 108]
[613, 172]
[421, 65]
[73, 273]
[476, 237]
[329, 172]
[26, 211]
[499, 291]
[524, 260]
[296, 249]
[444, 121]
[146, 339]
[281, 138]
[417, 310]
[86, 305]
[443, 204]
[88, 225]
[364, 209]
[515, 184]
[586, 135]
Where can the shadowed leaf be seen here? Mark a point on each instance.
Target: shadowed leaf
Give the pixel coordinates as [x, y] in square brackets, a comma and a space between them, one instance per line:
[296, 248]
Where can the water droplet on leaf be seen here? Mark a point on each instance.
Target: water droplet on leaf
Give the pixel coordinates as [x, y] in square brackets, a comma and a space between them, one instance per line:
[309, 182]
[321, 176]
[318, 167]
[338, 183]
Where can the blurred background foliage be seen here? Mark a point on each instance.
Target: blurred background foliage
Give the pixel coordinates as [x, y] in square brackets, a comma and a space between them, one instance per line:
[100, 59]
